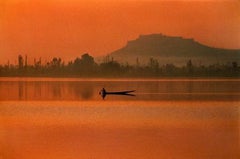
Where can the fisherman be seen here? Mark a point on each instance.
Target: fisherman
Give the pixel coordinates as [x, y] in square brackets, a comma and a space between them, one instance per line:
[102, 93]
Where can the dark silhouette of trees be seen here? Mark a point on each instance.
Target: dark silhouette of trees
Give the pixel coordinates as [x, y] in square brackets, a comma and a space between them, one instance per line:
[87, 60]
[110, 67]
[26, 63]
[190, 67]
[235, 66]
[54, 67]
[77, 65]
[56, 62]
[37, 63]
[85, 66]
[20, 61]
[169, 70]
[153, 65]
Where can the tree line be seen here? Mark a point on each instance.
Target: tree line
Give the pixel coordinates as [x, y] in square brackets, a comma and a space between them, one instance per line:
[85, 66]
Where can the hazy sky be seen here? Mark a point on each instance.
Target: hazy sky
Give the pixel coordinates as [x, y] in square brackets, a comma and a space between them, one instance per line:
[69, 28]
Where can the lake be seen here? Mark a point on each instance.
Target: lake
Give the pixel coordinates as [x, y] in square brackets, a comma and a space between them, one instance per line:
[66, 118]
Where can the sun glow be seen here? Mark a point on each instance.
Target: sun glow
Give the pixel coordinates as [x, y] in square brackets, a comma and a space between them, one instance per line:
[69, 28]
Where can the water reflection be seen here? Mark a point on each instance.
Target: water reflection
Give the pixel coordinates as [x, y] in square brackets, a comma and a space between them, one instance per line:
[83, 90]
[37, 90]
[145, 90]
[20, 90]
[56, 90]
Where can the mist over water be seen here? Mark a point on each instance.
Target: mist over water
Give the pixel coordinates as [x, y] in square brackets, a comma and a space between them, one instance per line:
[168, 118]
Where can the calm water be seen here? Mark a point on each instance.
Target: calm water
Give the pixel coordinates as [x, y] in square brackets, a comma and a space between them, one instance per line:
[67, 119]
[35, 89]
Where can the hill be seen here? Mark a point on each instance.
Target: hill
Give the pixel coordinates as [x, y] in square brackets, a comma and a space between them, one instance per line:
[174, 50]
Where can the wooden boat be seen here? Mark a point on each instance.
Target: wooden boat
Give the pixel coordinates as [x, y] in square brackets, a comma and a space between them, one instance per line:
[103, 93]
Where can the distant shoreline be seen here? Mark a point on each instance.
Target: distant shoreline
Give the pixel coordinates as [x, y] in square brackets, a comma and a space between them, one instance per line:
[82, 78]
[86, 67]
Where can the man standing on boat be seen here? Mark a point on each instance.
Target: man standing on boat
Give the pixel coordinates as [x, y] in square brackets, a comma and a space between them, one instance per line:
[102, 93]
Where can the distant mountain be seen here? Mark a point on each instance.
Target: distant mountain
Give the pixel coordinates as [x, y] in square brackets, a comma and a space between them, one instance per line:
[174, 50]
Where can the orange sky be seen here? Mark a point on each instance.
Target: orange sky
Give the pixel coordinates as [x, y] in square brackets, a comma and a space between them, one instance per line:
[69, 28]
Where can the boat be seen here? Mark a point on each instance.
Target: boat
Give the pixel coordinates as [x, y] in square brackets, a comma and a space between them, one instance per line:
[104, 93]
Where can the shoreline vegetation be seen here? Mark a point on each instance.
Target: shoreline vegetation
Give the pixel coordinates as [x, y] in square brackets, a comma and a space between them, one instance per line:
[86, 67]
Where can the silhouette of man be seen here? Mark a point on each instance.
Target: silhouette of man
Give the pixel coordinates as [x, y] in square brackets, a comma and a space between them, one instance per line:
[103, 93]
